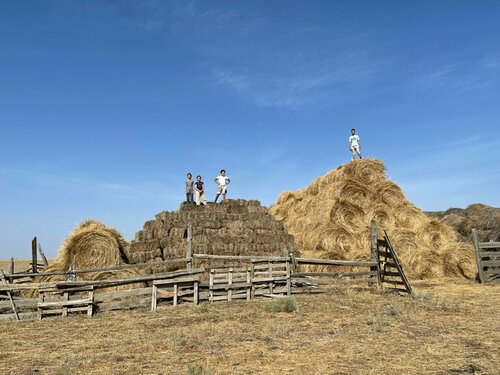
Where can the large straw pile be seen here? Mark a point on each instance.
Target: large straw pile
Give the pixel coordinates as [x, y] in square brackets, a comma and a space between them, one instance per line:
[331, 219]
[484, 218]
[94, 245]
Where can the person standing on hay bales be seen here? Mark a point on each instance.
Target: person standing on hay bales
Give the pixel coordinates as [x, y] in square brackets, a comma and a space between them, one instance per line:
[222, 181]
[200, 193]
[189, 187]
[354, 144]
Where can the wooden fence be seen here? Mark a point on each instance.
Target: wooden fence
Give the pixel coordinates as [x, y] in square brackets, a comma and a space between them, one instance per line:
[261, 277]
[233, 277]
[487, 258]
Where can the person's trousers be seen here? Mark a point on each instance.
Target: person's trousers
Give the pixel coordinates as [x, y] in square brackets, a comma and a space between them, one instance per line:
[203, 198]
[189, 198]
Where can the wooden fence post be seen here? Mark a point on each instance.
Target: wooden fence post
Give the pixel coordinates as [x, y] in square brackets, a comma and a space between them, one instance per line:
[373, 252]
[11, 266]
[34, 260]
[478, 257]
[42, 255]
[189, 255]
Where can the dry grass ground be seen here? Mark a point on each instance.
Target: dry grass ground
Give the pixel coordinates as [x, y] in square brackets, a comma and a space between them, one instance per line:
[452, 327]
[20, 264]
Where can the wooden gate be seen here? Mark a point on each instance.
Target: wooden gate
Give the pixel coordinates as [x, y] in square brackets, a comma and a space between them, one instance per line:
[391, 271]
[487, 258]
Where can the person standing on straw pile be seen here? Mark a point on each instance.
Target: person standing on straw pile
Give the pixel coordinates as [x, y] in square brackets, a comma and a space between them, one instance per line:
[222, 181]
[200, 187]
[354, 144]
[189, 189]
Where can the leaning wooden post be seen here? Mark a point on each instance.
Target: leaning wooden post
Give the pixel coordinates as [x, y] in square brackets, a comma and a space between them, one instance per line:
[189, 255]
[11, 266]
[4, 281]
[478, 256]
[45, 263]
[373, 251]
[34, 260]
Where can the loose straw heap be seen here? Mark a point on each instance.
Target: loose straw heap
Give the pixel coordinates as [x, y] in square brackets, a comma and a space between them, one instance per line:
[331, 219]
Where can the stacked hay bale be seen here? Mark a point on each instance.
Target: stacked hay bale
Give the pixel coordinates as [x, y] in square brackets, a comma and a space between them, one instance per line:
[331, 219]
[93, 245]
[233, 227]
[485, 219]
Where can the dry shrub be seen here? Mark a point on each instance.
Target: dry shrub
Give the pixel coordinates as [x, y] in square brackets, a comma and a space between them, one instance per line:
[331, 219]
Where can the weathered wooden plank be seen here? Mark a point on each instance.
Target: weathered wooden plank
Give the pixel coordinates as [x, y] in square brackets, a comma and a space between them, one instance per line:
[478, 258]
[326, 281]
[84, 301]
[336, 262]
[13, 305]
[103, 283]
[490, 271]
[111, 268]
[490, 263]
[489, 245]
[336, 274]
[100, 297]
[230, 286]
[490, 254]
[267, 279]
[398, 265]
[124, 305]
[238, 257]
[266, 267]
[34, 261]
[180, 280]
[44, 259]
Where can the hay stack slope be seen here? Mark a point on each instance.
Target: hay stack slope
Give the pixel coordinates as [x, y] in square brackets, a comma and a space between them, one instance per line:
[233, 227]
[484, 218]
[331, 219]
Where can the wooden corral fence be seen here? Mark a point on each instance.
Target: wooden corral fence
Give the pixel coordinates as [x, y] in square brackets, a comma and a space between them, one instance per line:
[239, 277]
[487, 258]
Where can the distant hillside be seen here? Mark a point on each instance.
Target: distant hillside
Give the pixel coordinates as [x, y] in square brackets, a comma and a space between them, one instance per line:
[485, 219]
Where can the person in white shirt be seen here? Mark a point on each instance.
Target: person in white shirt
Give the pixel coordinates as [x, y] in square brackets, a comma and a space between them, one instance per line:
[354, 144]
[222, 181]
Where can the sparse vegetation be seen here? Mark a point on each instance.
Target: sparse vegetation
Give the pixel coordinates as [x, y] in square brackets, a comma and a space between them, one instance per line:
[342, 331]
[197, 369]
[285, 304]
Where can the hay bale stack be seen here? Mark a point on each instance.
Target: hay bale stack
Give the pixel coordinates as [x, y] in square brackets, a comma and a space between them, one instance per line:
[233, 227]
[331, 219]
[95, 245]
[484, 218]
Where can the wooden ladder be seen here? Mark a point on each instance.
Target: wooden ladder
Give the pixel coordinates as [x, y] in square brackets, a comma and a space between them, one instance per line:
[391, 271]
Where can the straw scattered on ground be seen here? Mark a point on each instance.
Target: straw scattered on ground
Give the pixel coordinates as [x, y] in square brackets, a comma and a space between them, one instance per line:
[451, 327]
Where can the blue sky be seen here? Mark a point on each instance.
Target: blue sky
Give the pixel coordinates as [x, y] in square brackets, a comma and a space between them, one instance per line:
[105, 105]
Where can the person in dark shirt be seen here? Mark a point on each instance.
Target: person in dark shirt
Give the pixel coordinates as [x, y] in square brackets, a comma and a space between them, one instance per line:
[189, 189]
[199, 187]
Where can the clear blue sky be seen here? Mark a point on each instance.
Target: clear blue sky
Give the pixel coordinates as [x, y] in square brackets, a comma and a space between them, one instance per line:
[105, 105]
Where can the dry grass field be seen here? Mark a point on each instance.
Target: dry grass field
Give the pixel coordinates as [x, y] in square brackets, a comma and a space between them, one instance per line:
[451, 327]
[19, 264]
